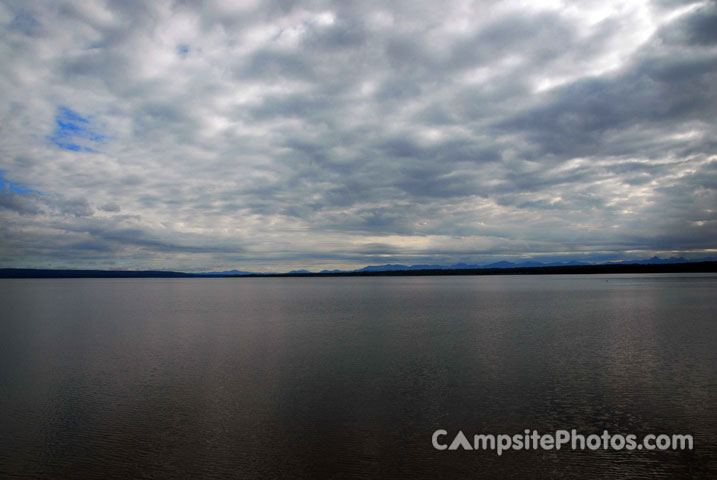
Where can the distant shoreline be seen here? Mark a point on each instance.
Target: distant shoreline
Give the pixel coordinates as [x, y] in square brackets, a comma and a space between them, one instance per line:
[696, 267]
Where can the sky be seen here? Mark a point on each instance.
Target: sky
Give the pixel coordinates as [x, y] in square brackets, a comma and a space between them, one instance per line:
[278, 135]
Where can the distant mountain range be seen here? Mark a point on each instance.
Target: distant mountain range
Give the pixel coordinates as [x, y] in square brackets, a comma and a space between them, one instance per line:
[226, 273]
[527, 264]
[465, 266]
[650, 265]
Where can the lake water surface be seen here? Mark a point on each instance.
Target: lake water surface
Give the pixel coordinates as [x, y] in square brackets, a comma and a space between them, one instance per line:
[349, 377]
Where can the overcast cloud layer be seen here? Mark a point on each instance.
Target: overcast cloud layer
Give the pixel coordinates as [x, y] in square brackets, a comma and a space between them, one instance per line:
[277, 135]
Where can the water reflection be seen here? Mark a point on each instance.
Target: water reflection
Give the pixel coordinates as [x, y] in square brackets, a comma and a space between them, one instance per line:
[348, 378]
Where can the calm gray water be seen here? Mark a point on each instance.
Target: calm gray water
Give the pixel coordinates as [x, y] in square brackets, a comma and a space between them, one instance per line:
[349, 377]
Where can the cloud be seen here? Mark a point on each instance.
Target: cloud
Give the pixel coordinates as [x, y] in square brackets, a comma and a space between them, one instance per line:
[319, 134]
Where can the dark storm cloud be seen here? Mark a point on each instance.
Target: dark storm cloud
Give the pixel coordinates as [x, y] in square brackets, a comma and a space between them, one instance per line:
[19, 203]
[701, 28]
[32, 203]
[281, 135]
[652, 98]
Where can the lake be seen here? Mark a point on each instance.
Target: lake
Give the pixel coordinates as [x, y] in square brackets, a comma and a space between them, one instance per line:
[349, 377]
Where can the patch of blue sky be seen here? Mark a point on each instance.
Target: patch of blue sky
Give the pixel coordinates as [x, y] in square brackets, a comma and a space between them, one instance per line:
[75, 132]
[7, 186]
[183, 50]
